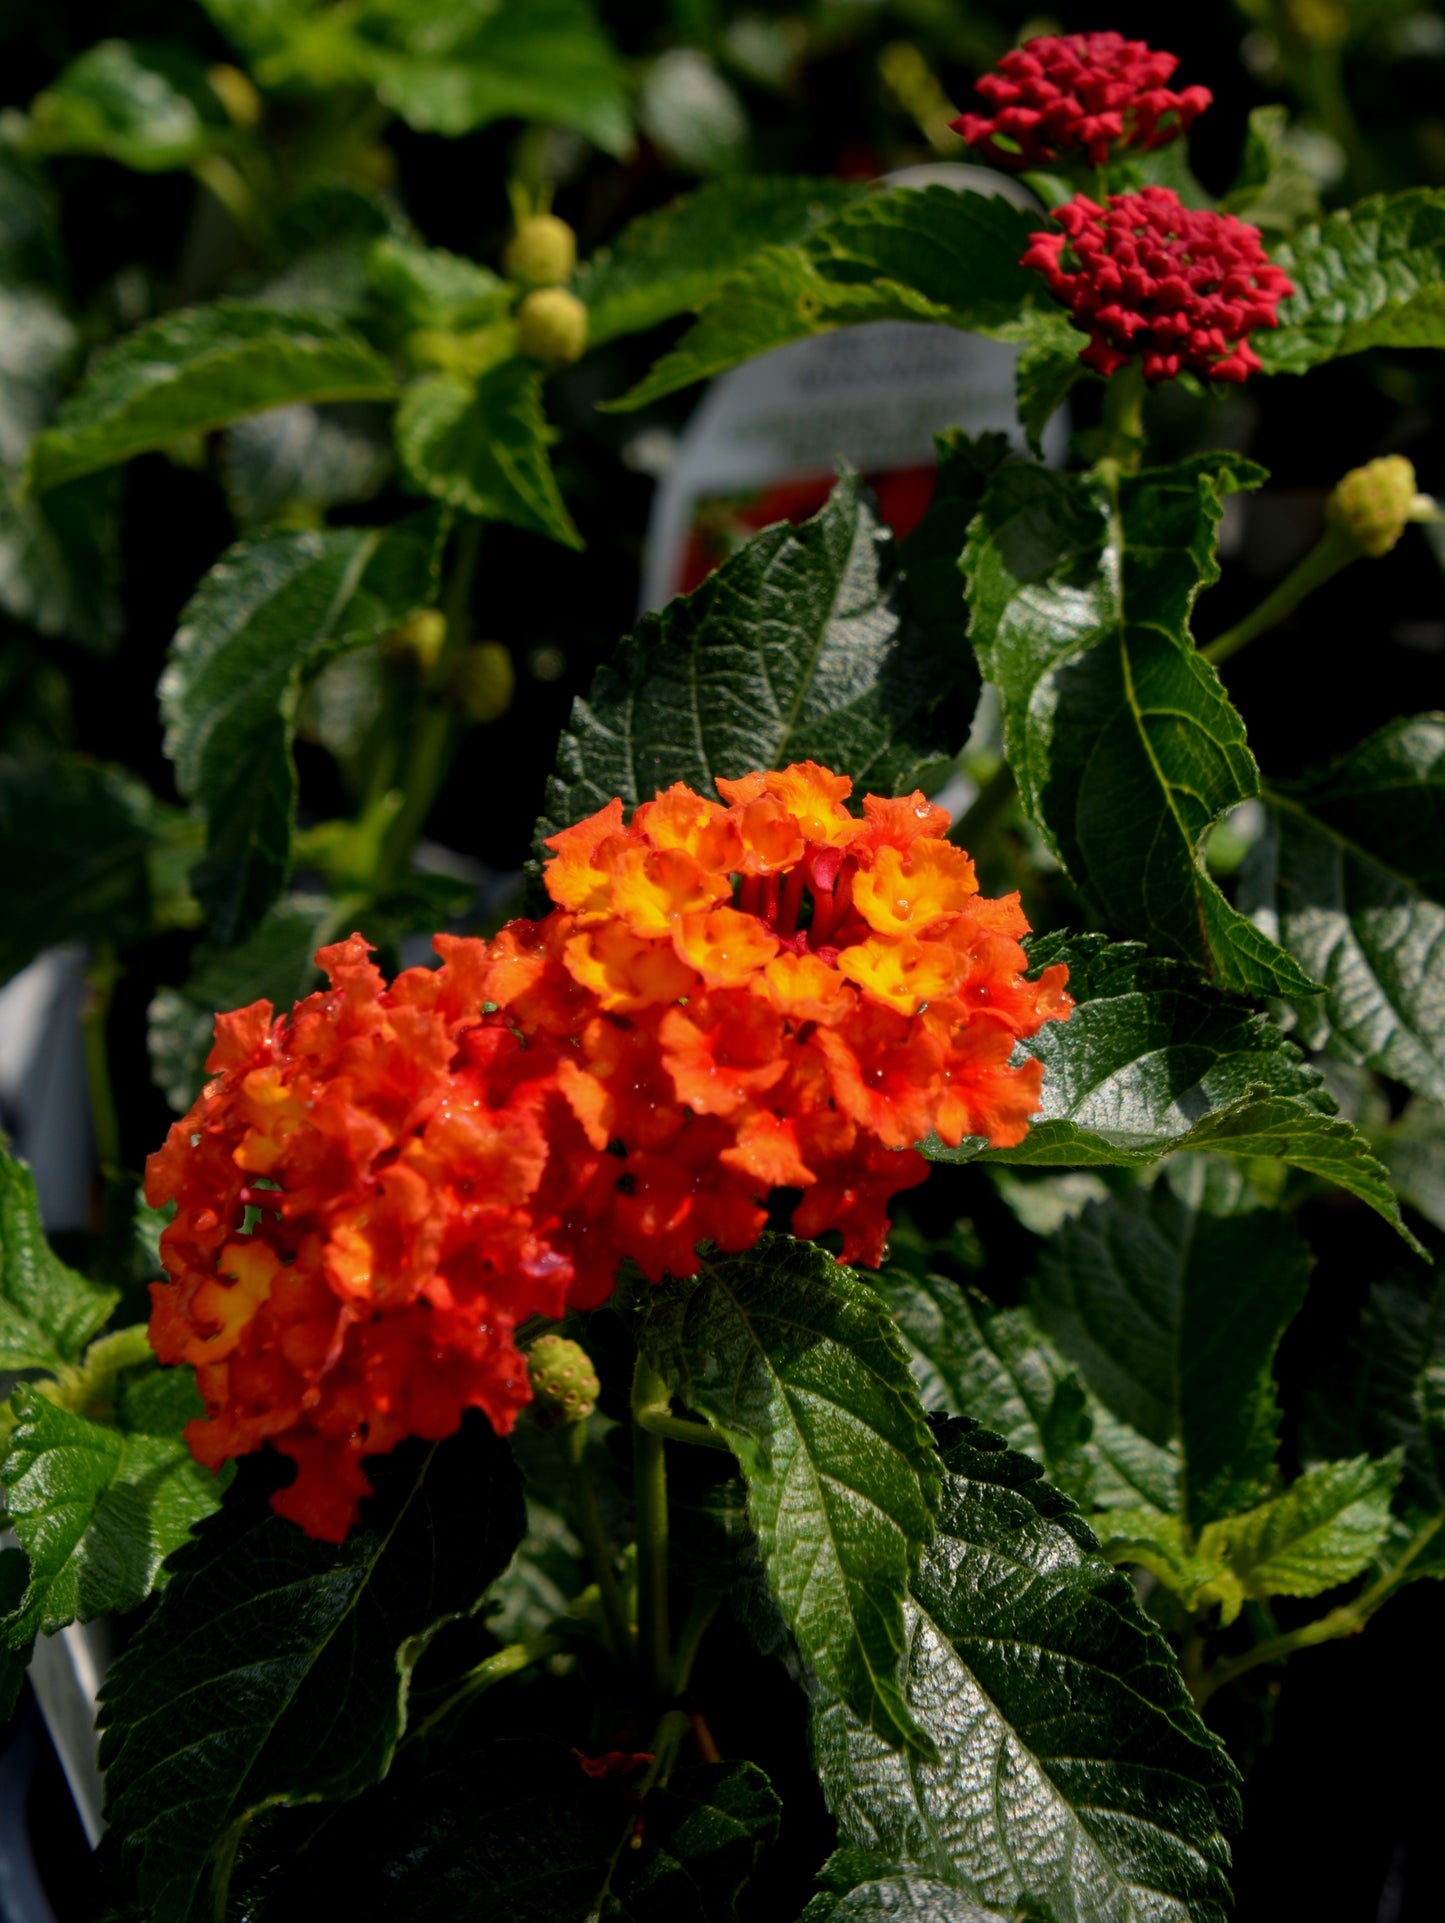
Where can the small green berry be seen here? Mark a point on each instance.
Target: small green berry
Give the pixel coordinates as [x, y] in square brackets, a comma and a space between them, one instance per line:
[413, 647]
[552, 327]
[480, 681]
[564, 1382]
[542, 252]
[1373, 503]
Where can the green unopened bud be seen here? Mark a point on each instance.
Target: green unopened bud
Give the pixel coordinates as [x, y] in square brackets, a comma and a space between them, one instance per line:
[552, 326]
[413, 648]
[563, 1380]
[480, 681]
[1373, 503]
[237, 95]
[542, 252]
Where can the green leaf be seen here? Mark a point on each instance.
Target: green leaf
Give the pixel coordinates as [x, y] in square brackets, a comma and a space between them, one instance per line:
[1275, 191]
[930, 553]
[482, 447]
[1165, 1547]
[863, 1890]
[674, 260]
[271, 612]
[1350, 877]
[48, 1313]
[428, 287]
[1048, 370]
[1122, 740]
[60, 562]
[324, 241]
[148, 106]
[1153, 1059]
[908, 254]
[273, 964]
[1414, 1152]
[74, 838]
[704, 1834]
[1400, 1390]
[477, 61]
[192, 372]
[1325, 1529]
[96, 1510]
[303, 461]
[796, 648]
[795, 1360]
[971, 1358]
[276, 1668]
[40, 347]
[31, 252]
[1371, 275]
[1074, 1778]
[1171, 1301]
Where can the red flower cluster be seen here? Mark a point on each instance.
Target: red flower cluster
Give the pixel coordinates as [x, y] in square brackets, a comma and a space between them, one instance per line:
[1079, 93]
[729, 998]
[1179, 286]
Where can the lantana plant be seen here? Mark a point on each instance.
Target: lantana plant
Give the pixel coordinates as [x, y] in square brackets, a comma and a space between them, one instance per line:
[578, 1457]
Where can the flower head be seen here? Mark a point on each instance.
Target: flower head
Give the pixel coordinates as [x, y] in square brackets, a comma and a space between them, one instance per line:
[1089, 93]
[730, 998]
[1178, 286]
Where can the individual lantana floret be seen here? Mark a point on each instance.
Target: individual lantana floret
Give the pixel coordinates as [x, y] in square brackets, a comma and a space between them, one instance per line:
[1180, 288]
[1079, 93]
[729, 998]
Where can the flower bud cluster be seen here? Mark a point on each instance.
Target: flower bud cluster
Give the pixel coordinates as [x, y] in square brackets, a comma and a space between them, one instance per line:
[730, 998]
[1179, 287]
[1079, 93]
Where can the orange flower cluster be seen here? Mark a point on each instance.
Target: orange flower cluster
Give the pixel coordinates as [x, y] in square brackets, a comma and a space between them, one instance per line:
[729, 998]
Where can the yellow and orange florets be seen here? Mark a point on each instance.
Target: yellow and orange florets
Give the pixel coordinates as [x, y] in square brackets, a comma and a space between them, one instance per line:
[766, 992]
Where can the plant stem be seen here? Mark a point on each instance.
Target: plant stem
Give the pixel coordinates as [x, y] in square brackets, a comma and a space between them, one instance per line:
[496, 1669]
[700, 1613]
[1344, 1621]
[100, 981]
[436, 731]
[649, 1478]
[599, 1549]
[659, 1422]
[973, 825]
[1123, 423]
[1334, 550]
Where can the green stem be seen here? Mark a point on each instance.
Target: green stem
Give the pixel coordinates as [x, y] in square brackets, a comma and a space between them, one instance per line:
[973, 825]
[695, 1625]
[436, 731]
[1344, 1621]
[659, 1422]
[1123, 423]
[510, 1661]
[649, 1478]
[225, 181]
[599, 1549]
[100, 980]
[1334, 550]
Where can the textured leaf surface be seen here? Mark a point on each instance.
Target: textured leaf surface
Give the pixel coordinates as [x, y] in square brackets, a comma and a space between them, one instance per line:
[1154, 1059]
[272, 610]
[1325, 1529]
[927, 254]
[483, 447]
[276, 1668]
[971, 1358]
[1414, 1151]
[795, 1360]
[1124, 745]
[74, 836]
[48, 1313]
[96, 1509]
[191, 372]
[673, 261]
[1372, 275]
[60, 562]
[150, 107]
[1171, 1301]
[1350, 877]
[1073, 1774]
[862, 1890]
[797, 648]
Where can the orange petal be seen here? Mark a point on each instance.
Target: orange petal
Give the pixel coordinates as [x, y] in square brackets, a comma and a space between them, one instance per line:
[900, 820]
[814, 797]
[653, 886]
[625, 971]
[574, 878]
[727, 949]
[903, 895]
[806, 989]
[905, 974]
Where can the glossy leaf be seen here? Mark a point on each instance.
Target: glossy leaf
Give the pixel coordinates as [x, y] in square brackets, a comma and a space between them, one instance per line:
[1326, 1528]
[194, 371]
[482, 447]
[673, 261]
[798, 647]
[795, 1360]
[276, 1668]
[48, 1313]
[429, 287]
[862, 1890]
[1350, 877]
[1275, 191]
[270, 612]
[921, 254]
[148, 106]
[96, 1509]
[971, 1358]
[274, 963]
[74, 840]
[1371, 275]
[1153, 1059]
[1074, 1780]
[1163, 1545]
[1171, 1301]
[1124, 745]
